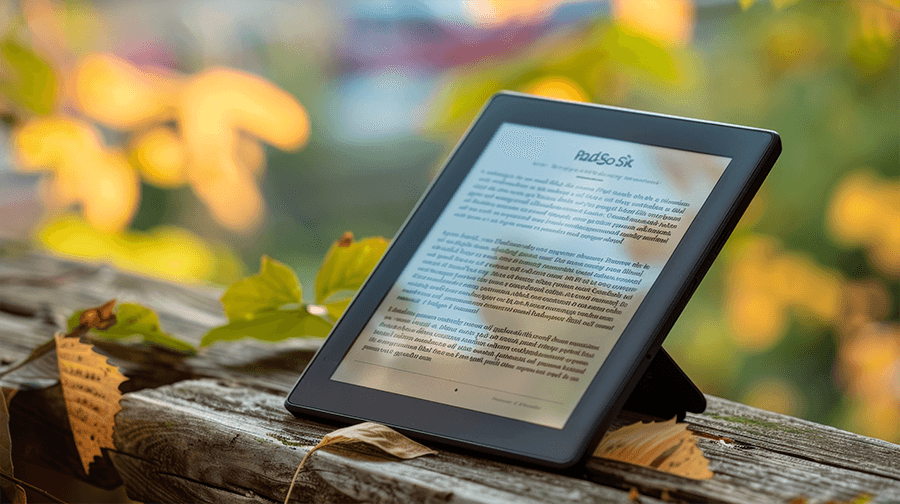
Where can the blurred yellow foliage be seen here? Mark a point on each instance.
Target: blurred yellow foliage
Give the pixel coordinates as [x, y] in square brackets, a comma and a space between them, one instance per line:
[160, 156]
[796, 42]
[165, 252]
[869, 367]
[84, 171]
[221, 117]
[764, 282]
[879, 22]
[114, 92]
[557, 87]
[865, 211]
[670, 22]
[501, 12]
[215, 108]
[775, 394]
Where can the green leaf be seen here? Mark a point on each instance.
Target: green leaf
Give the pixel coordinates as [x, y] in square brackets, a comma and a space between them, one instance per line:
[136, 320]
[30, 81]
[346, 267]
[276, 285]
[272, 326]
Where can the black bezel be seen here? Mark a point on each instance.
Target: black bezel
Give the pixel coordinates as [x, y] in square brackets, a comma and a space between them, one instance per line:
[753, 152]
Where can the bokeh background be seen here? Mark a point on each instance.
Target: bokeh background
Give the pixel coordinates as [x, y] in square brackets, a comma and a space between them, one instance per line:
[185, 139]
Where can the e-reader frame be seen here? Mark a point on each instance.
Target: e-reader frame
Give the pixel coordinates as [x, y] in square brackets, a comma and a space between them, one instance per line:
[637, 375]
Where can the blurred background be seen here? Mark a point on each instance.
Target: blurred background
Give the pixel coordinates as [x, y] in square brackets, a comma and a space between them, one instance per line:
[184, 139]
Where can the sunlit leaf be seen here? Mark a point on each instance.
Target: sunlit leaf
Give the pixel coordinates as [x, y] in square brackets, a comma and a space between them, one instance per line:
[346, 266]
[215, 109]
[370, 434]
[164, 252]
[90, 388]
[32, 83]
[272, 326]
[133, 320]
[275, 286]
[664, 446]
[161, 157]
[118, 94]
[268, 306]
[557, 87]
[502, 12]
[336, 309]
[669, 22]
[84, 171]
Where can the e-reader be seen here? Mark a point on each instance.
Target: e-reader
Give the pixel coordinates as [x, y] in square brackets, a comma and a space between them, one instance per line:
[524, 301]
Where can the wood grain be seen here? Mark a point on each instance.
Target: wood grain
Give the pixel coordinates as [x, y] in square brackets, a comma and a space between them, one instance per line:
[212, 428]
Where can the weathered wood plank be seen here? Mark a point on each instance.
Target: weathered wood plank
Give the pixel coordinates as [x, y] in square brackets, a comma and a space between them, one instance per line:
[223, 442]
[801, 438]
[203, 420]
[230, 440]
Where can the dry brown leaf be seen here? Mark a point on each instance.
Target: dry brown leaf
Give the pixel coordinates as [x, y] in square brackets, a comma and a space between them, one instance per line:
[101, 317]
[666, 446]
[13, 491]
[371, 434]
[8, 394]
[90, 388]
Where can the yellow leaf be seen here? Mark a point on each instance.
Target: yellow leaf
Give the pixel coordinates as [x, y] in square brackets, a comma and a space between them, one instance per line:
[219, 102]
[216, 110]
[162, 252]
[664, 446]
[557, 87]
[667, 21]
[371, 434]
[746, 4]
[84, 170]
[90, 388]
[346, 266]
[160, 155]
[118, 94]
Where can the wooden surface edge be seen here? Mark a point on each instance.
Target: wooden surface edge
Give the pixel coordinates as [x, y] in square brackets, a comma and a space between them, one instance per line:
[200, 440]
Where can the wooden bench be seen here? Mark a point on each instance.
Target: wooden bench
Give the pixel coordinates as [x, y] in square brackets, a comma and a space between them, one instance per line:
[212, 428]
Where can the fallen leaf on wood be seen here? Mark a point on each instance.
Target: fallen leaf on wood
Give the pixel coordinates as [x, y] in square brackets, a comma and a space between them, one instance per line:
[128, 320]
[666, 446]
[101, 317]
[370, 434]
[40, 369]
[90, 387]
[13, 492]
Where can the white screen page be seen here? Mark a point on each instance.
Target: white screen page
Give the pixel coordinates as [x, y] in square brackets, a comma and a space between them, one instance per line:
[518, 293]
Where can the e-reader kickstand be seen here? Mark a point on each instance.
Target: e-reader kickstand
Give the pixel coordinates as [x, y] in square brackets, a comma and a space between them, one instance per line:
[665, 391]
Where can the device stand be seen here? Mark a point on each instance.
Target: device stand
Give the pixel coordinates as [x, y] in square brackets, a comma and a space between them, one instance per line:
[665, 391]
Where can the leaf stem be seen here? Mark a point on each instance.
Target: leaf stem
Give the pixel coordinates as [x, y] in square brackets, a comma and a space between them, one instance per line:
[32, 488]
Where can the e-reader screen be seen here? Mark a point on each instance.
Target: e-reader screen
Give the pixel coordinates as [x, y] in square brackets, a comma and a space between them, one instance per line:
[528, 278]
